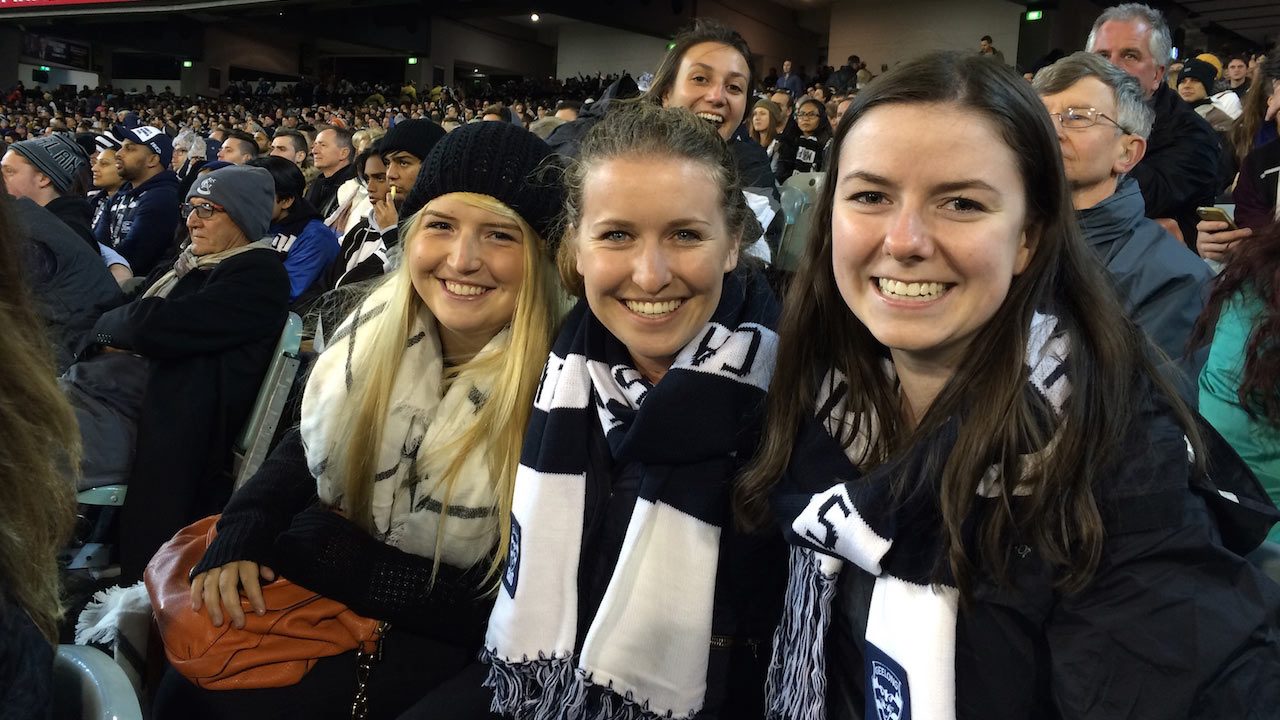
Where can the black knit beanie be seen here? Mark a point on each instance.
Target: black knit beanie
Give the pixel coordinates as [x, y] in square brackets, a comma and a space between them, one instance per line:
[496, 159]
[1201, 72]
[416, 137]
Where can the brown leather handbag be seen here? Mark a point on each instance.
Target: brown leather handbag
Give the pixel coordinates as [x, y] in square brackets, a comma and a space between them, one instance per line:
[272, 650]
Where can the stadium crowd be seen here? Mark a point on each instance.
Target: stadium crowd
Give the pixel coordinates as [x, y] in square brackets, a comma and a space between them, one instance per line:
[580, 434]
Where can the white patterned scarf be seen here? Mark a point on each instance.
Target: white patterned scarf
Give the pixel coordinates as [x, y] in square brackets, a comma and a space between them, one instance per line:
[426, 418]
[909, 658]
[645, 650]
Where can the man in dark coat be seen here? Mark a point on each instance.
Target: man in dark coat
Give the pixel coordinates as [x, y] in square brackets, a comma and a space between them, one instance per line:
[209, 327]
[69, 282]
[1102, 121]
[52, 171]
[143, 215]
[1180, 169]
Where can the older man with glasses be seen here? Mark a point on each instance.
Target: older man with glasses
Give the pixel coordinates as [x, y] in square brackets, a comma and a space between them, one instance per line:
[208, 327]
[1103, 124]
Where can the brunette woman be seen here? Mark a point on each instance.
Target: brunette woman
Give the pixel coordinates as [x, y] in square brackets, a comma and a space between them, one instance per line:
[1021, 524]
[412, 421]
[766, 117]
[804, 148]
[627, 592]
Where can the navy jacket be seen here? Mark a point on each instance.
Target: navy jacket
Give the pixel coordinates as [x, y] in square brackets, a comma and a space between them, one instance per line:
[142, 220]
[1180, 170]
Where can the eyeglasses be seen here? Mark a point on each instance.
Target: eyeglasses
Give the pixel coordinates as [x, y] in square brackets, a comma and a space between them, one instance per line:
[808, 114]
[1081, 118]
[204, 212]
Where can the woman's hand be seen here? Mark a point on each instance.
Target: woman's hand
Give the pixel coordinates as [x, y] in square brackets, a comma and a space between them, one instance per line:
[1213, 239]
[219, 589]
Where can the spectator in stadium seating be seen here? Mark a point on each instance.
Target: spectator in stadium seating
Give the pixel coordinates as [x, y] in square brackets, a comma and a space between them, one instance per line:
[332, 154]
[290, 145]
[656, 225]
[1180, 170]
[789, 81]
[40, 448]
[1238, 383]
[297, 231]
[446, 363]
[52, 171]
[1255, 193]
[567, 110]
[543, 127]
[846, 78]
[1102, 123]
[209, 326]
[1238, 76]
[68, 280]
[1259, 124]
[238, 148]
[495, 112]
[143, 216]
[766, 117]
[987, 48]
[106, 182]
[803, 149]
[948, 316]
[373, 244]
[1195, 87]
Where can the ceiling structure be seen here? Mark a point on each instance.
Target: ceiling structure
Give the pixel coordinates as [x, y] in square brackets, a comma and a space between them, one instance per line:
[1256, 20]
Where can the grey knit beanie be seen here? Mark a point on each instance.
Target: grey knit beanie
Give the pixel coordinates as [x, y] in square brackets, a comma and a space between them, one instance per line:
[247, 193]
[58, 156]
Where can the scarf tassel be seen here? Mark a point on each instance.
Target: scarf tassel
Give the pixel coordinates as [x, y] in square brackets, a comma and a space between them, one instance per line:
[796, 686]
[554, 681]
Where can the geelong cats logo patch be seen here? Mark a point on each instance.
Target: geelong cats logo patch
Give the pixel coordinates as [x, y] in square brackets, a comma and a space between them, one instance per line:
[888, 695]
[511, 577]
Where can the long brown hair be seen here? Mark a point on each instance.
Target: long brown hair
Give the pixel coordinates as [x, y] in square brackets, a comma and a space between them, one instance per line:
[819, 332]
[702, 30]
[1254, 110]
[1252, 269]
[40, 452]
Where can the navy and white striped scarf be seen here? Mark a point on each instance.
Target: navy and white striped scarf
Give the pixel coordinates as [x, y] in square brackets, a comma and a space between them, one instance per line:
[646, 649]
[909, 662]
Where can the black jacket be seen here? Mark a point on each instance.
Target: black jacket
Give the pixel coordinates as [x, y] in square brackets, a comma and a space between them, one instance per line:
[1174, 624]
[26, 666]
[69, 281]
[209, 342]
[1180, 170]
[141, 221]
[76, 213]
[323, 192]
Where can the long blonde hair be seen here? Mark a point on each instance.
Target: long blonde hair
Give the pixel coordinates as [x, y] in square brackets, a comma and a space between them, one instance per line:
[39, 454]
[500, 422]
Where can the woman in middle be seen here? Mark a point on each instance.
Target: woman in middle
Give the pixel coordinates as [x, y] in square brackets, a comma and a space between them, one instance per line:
[412, 422]
[627, 592]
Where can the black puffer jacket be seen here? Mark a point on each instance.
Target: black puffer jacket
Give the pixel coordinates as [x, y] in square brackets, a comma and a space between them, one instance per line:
[1180, 170]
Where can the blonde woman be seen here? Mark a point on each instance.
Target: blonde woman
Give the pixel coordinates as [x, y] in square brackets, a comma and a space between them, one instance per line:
[37, 512]
[412, 422]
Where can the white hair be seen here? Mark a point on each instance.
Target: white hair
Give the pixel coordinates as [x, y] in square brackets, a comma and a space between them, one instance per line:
[1160, 43]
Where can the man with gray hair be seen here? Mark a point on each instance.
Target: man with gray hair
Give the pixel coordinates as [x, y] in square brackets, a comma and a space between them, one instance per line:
[1102, 122]
[1180, 169]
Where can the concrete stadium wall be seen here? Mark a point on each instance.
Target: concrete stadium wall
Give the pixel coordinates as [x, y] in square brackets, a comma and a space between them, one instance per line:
[887, 32]
[588, 49]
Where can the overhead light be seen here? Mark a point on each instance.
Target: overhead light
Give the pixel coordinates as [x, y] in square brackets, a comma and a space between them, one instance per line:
[534, 17]
[187, 63]
[1033, 15]
[477, 70]
[413, 61]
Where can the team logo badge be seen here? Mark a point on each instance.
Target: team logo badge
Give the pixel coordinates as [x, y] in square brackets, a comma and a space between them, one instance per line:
[205, 186]
[888, 696]
[512, 574]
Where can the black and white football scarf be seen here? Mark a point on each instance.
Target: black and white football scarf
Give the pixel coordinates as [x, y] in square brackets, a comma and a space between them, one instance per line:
[645, 652]
[909, 661]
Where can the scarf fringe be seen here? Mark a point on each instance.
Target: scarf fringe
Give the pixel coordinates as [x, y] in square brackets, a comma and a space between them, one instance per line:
[554, 682]
[560, 689]
[796, 685]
